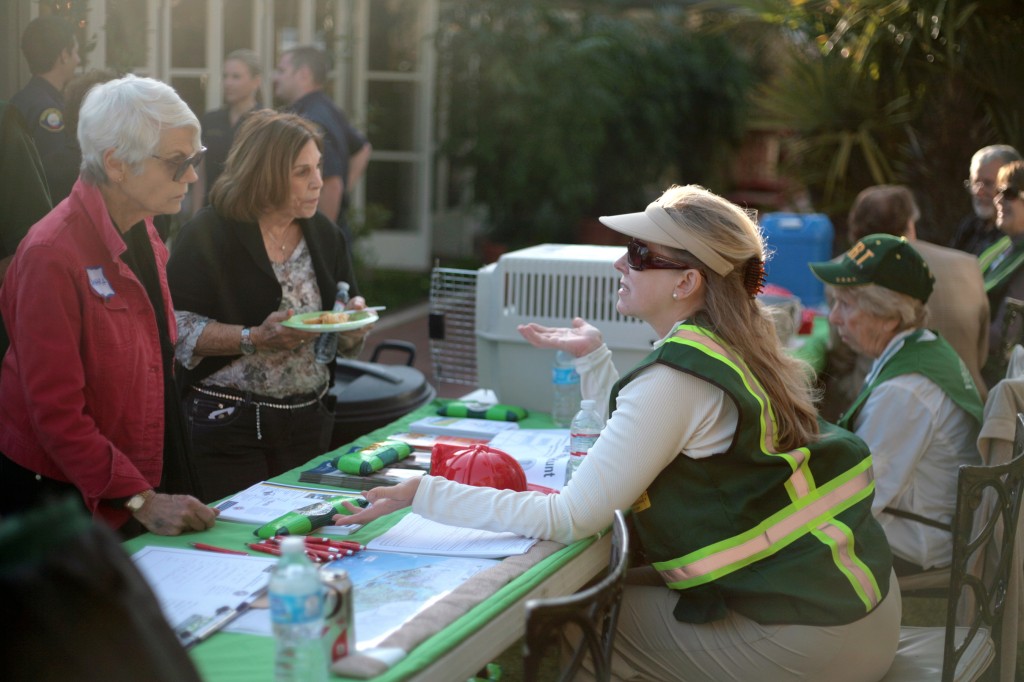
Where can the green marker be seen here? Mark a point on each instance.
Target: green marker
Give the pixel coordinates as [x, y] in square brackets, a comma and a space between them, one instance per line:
[305, 520]
[499, 412]
[366, 461]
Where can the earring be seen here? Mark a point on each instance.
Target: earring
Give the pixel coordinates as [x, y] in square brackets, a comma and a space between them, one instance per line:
[675, 296]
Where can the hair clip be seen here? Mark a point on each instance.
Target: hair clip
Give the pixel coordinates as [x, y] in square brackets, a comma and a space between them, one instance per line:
[753, 276]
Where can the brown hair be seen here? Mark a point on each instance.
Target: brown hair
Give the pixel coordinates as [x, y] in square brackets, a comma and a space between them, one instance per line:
[886, 209]
[257, 174]
[739, 319]
[1012, 175]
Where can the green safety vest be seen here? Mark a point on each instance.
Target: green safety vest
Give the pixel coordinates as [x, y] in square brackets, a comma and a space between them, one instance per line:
[937, 361]
[780, 537]
[998, 278]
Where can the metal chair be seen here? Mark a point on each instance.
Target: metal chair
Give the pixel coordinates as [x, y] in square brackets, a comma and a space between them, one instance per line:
[984, 528]
[593, 610]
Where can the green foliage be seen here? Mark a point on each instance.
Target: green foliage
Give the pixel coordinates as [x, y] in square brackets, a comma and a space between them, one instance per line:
[560, 115]
[890, 91]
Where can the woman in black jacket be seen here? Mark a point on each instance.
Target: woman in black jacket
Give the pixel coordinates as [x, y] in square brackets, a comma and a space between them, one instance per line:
[257, 255]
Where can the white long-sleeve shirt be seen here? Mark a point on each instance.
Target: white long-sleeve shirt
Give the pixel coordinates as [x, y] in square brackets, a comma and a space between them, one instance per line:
[918, 438]
[659, 414]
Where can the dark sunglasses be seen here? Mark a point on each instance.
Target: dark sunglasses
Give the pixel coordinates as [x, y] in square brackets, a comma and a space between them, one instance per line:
[1009, 192]
[639, 257]
[181, 166]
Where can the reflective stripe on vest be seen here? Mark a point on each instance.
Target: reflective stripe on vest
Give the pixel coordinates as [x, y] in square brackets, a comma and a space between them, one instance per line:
[812, 509]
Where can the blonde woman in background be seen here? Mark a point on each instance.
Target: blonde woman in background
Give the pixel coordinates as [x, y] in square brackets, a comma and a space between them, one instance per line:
[242, 78]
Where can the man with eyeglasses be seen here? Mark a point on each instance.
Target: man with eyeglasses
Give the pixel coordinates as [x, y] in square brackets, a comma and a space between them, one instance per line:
[977, 231]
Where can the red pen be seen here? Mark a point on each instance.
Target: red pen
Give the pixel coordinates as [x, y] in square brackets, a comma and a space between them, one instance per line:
[211, 548]
[266, 549]
[344, 544]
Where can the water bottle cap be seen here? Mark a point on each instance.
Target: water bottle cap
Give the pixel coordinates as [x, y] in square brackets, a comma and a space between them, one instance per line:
[587, 404]
[293, 543]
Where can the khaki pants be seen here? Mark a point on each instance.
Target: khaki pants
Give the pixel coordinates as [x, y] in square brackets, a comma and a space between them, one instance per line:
[651, 644]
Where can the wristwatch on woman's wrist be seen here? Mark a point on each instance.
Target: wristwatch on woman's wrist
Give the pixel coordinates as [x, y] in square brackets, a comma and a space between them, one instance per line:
[246, 344]
[136, 502]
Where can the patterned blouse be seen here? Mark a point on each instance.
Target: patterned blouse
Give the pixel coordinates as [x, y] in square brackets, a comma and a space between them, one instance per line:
[270, 373]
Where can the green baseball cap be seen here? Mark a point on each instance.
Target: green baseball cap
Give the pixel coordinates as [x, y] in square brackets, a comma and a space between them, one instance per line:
[881, 259]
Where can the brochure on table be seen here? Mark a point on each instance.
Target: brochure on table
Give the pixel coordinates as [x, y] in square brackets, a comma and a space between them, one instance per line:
[388, 589]
[263, 502]
[543, 454]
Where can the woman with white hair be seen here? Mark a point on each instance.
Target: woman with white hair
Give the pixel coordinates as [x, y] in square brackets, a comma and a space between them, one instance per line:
[87, 400]
[752, 518]
[918, 410]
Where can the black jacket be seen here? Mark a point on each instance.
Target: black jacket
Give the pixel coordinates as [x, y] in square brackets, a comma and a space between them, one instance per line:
[219, 268]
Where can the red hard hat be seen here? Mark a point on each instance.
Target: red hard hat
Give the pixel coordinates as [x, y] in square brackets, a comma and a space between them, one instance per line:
[483, 465]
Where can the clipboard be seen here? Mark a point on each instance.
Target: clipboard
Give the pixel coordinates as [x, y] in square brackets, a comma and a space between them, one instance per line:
[201, 592]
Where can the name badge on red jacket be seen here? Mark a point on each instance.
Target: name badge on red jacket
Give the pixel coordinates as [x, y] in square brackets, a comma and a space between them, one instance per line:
[98, 281]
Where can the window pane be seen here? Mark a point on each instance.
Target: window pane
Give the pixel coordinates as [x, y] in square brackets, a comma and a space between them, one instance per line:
[126, 34]
[188, 34]
[324, 28]
[193, 91]
[391, 184]
[394, 35]
[237, 25]
[392, 115]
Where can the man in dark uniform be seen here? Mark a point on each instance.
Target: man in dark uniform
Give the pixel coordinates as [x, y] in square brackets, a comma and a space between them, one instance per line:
[24, 197]
[299, 81]
[51, 50]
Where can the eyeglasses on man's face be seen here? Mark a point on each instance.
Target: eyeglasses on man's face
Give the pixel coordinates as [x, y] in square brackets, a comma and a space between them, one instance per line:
[181, 165]
[975, 186]
[639, 257]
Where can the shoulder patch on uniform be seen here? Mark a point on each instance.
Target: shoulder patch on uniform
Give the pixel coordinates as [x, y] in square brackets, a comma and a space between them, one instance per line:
[52, 119]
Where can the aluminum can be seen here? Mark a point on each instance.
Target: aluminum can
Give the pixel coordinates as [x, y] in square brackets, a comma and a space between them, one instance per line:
[339, 620]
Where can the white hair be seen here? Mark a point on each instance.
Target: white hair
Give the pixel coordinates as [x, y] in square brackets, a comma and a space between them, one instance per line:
[1003, 152]
[128, 115]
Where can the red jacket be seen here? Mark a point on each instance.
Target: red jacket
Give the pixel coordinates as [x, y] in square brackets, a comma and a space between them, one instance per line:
[82, 390]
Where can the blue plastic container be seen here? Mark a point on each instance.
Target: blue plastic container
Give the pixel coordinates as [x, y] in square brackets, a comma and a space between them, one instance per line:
[794, 240]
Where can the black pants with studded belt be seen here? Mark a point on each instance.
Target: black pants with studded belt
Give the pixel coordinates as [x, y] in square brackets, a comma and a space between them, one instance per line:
[239, 439]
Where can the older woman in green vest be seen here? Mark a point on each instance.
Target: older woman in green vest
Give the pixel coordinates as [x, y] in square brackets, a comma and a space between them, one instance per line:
[918, 410]
[752, 518]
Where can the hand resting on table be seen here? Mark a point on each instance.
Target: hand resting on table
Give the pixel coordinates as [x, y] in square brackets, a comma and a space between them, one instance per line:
[383, 500]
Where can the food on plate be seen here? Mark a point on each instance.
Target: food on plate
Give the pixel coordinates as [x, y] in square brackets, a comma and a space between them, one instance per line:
[327, 318]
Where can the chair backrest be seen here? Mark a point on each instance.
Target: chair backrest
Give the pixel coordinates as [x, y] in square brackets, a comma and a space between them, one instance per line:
[594, 611]
[984, 527]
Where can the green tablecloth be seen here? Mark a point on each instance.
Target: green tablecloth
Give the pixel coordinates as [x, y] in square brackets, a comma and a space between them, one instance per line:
[227, 657]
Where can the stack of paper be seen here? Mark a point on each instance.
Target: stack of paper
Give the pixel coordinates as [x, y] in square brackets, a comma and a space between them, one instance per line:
[417, 535]
[461, 426]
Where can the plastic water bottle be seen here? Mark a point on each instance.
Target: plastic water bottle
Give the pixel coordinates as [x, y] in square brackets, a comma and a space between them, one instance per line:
[327, 343]
[583, 432]
[296, 611]
[565, 386]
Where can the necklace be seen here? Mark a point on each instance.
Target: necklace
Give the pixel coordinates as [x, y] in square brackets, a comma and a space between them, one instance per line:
[281, 244]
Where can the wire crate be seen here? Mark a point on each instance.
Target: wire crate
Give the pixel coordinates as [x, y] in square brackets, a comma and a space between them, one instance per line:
[451, 326]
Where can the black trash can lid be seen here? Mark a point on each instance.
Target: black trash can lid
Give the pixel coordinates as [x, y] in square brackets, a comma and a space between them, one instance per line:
[367, 390]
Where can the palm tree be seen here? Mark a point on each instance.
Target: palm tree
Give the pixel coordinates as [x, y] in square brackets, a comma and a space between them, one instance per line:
[877, 91]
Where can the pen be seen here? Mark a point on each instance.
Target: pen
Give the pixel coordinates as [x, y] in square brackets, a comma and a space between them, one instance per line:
[342, 544]
[211, 548]
[331, 544]
[321, 545]
[315, 557]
